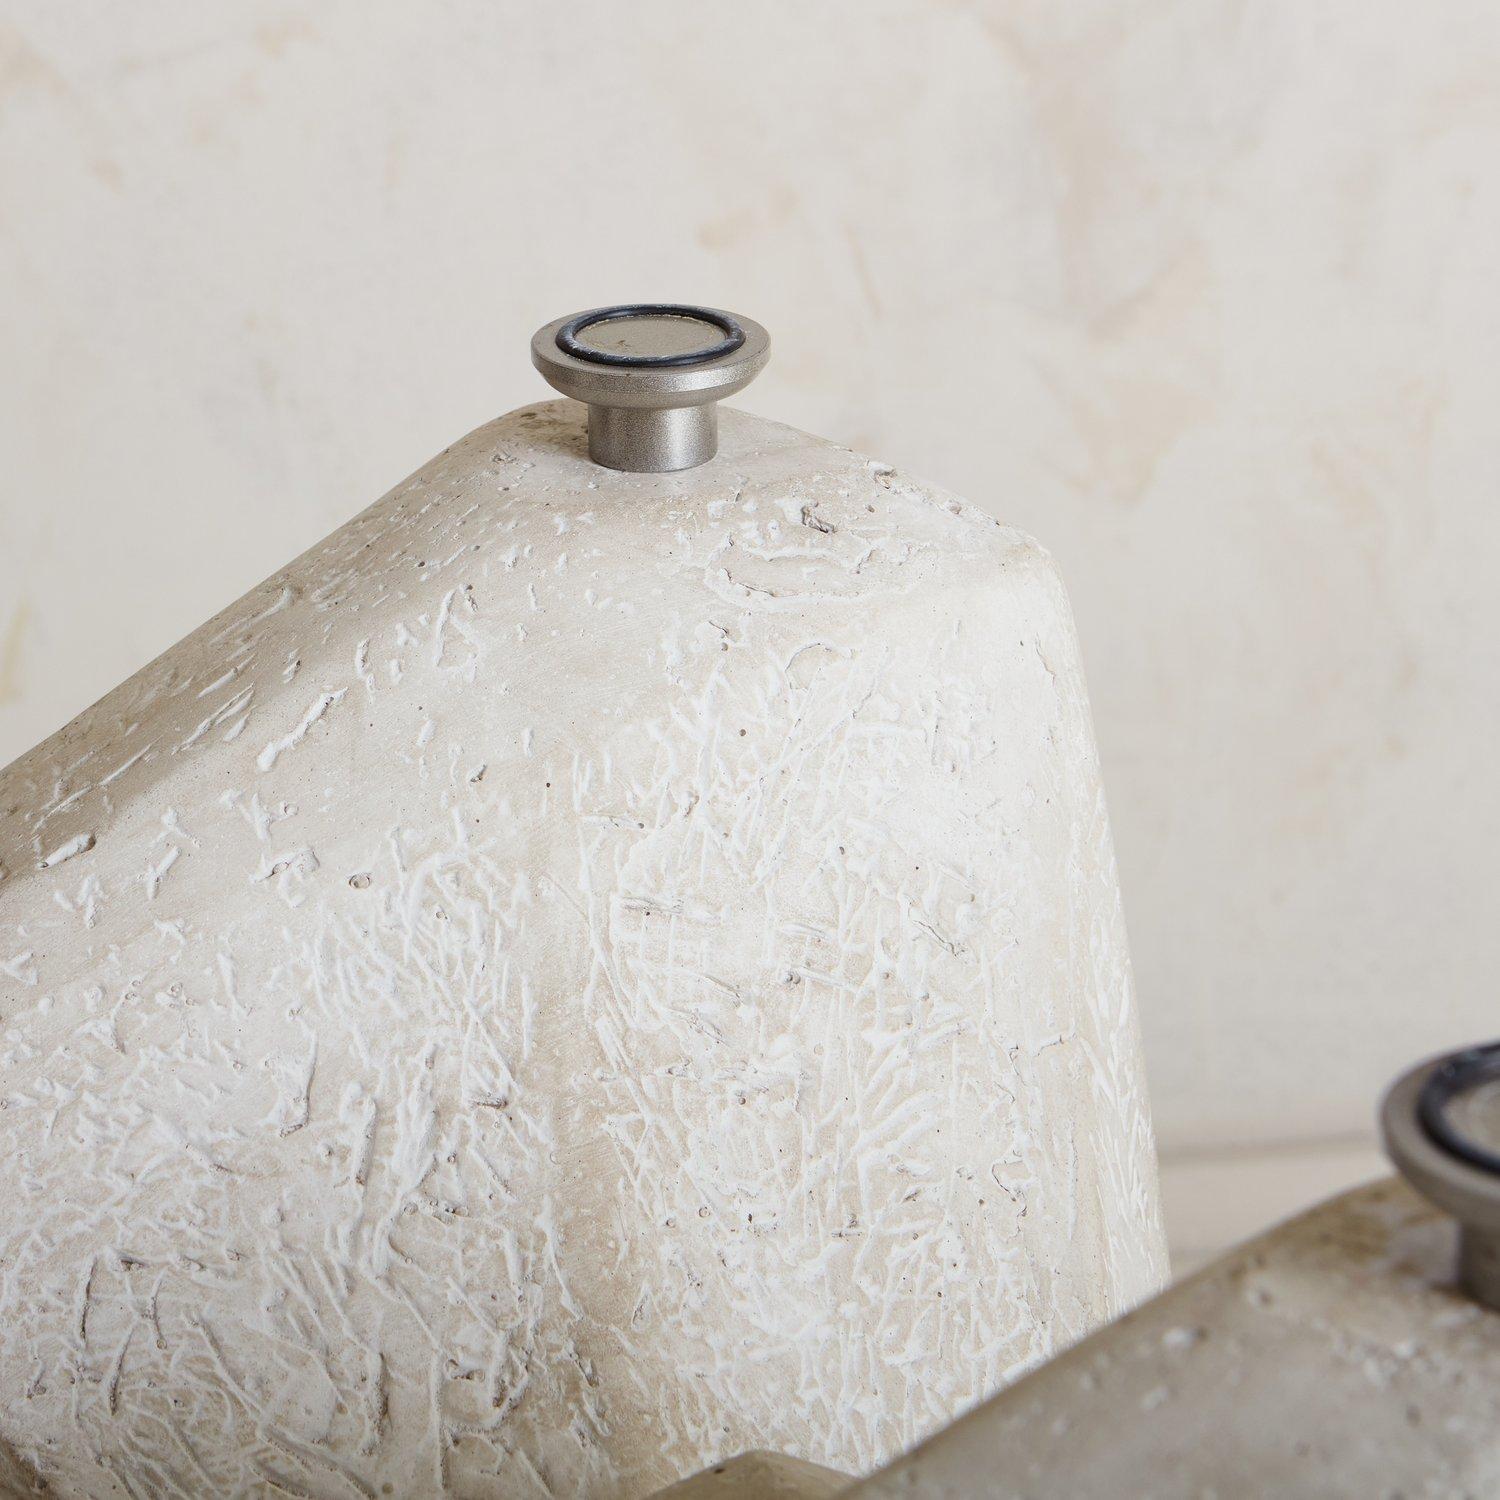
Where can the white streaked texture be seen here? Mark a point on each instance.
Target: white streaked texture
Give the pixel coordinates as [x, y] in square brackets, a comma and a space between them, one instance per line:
[580, 974]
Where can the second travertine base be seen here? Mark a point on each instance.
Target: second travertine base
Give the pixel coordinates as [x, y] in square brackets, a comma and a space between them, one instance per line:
[580, 974]
[1333, 1356]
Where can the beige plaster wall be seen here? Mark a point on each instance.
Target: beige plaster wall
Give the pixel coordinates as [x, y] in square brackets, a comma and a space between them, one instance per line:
[1202, 293]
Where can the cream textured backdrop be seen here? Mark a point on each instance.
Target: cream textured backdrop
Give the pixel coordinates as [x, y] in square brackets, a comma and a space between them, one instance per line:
[1203, 294]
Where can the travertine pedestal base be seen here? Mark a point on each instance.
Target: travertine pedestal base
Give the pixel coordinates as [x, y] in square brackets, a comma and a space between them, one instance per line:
[580, 974]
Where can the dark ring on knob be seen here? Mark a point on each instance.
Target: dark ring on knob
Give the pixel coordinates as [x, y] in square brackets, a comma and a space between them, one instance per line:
[1452, 1077]
[567, 335]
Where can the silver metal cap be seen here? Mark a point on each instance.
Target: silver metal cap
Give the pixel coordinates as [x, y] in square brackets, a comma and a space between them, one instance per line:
[1441, 1123]
[651, 374]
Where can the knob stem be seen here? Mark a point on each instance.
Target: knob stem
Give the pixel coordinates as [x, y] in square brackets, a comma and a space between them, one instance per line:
[1479, 1264]
[653, 441]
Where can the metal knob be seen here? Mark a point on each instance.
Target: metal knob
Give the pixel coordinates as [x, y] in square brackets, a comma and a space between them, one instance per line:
[651, 375]
[1441, 1123]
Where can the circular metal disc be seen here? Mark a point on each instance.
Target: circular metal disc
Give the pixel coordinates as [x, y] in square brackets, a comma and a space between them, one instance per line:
[651, 336]
[1460, 1106]
[1453, 1179]
[650, 356]
[1476, 1116]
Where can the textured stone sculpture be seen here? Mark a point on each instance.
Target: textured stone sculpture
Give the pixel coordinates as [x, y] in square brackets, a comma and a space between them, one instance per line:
[580, 974]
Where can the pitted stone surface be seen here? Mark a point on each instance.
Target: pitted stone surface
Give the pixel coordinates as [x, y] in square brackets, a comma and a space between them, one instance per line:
[759, 1476]
[579, 974]
[1330, 1357]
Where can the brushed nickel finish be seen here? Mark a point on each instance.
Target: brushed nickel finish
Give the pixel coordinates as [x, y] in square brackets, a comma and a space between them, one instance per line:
[651, 375]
